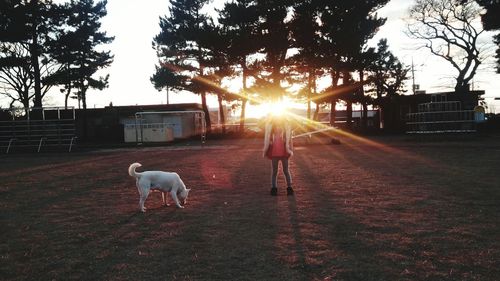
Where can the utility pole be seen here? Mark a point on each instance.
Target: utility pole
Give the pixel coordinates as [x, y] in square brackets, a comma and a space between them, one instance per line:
[415, 86]
[413, 76]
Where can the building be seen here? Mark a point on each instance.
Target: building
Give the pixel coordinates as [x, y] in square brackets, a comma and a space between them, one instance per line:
[117, 124]
[395, 109]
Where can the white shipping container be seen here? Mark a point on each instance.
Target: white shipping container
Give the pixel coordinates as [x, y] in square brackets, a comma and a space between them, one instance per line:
[156, 132]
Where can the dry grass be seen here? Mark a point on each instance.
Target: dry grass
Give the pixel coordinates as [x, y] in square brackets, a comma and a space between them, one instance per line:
[384, 210]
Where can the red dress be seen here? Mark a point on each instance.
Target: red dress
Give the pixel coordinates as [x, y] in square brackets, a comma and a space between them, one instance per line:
[278, 145]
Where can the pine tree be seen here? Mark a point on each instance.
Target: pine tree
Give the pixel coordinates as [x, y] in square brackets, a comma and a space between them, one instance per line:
[347, 26]
[27, 25]
[386, 72]
[491, 21]
[239, 19]
[179, 47]
[274, 43]
[306, 38]
[166, 78]
[85, 59]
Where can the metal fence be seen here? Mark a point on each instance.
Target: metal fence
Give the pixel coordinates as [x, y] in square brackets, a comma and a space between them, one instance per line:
[55, 128]
[441, 117]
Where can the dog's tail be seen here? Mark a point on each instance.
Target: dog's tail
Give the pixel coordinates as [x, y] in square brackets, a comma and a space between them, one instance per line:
[131, 169]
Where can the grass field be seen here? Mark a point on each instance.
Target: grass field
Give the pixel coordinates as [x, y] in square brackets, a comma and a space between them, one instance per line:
[385, 209]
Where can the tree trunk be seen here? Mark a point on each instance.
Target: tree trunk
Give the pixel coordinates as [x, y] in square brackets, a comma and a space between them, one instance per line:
[316, 113]
[83, 96]
[309, 90]
[349, 114]
[462, 88]
[26, 105]
[84, 99]
[333, 103]
[333, 112]
[207, 113]
[242, 115]
[34, 48]
[68, 92]
[244, 98]
[364, 117]
[348, 99]
[222, 115]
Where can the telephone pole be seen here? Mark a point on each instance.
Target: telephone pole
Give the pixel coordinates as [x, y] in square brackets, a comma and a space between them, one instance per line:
[413, 76]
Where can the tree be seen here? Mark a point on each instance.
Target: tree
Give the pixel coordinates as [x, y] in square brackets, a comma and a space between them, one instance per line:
[166, 78]
[27, 25]
[491, 21]
[239, 19]
[347, 26]
[16, 80]
[308, 61]
[76, 49]
[274, 43]
[178, 45]
[449, 30]
[215, 41]
[386, 71]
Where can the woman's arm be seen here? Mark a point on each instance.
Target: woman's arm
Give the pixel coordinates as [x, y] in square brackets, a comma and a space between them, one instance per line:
[267, 137]
[289, 141]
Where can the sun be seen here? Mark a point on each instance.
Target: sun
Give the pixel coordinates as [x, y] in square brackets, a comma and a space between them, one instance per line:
[279, 108]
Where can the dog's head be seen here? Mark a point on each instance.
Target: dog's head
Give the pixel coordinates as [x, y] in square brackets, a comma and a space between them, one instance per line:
[184, 194]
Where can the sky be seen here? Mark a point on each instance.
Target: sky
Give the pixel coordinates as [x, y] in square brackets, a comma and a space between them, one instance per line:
[135, 23]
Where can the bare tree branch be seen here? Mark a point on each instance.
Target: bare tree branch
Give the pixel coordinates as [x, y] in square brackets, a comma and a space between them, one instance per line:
[449, 28]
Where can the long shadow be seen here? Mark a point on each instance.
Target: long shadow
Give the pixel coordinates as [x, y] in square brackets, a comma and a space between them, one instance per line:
[237, 241]
[458, 207]
[356, 261]
[69, 239]
[217, 236]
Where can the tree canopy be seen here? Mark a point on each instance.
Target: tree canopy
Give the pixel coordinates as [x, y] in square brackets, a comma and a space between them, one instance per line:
[43, 44]
[271, 45]
[491, 21]
[449, 32]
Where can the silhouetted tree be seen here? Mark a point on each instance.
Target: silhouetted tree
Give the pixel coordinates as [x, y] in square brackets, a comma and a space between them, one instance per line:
[166, 78]
[306, 38]
[347, 26]
[491, 21]
[215, 40]
[179, 47]
[274, 44]
[386, 72]
[16, 79]
[27, 25]
[239, 19]
[78, 44]
[447, 27]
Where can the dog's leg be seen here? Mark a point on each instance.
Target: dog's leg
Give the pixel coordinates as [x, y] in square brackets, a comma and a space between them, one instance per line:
[176, 200]
[164, 197]
[144, 192]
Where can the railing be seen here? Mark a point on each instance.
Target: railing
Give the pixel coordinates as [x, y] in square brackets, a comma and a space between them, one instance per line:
[37, 134]
[441, 122]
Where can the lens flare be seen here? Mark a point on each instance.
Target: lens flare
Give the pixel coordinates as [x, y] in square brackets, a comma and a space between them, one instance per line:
[277, 109]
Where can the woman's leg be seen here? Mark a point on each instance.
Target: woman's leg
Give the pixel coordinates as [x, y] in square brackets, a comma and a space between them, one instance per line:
[286, 171]
[274, 177]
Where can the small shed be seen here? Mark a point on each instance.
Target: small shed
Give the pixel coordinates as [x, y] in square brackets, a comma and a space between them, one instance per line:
[156, 126]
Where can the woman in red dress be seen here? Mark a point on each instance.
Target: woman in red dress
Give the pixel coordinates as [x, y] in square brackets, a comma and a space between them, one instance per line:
[278, 147]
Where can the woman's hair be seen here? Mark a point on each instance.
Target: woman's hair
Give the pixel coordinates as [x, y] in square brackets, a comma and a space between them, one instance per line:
[277, 122]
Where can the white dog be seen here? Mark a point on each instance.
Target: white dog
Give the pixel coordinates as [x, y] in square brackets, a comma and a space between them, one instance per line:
[157, 180]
